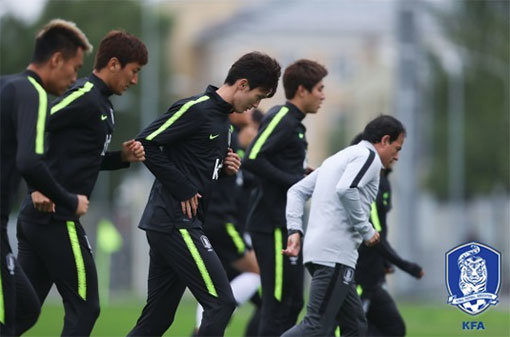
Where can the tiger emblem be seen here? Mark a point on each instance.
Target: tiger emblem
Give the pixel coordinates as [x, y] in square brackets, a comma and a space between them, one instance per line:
[473, 272]
[473, 277]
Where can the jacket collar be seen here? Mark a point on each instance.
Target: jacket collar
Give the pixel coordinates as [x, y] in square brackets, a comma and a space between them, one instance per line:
[294, 110]
[211, 92]
[99, 83]
[34, 76]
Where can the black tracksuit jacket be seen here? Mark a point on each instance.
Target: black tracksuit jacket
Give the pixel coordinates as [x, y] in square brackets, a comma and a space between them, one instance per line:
[24, 111]
[80, 128]
[224, 193]
[277, 159]
[372, 261]
[184, 149]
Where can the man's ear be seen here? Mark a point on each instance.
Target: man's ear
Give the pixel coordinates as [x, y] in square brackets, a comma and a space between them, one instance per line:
[385, 140]
[56, 59]
[243, 84]
[114, 64]
[301, 91]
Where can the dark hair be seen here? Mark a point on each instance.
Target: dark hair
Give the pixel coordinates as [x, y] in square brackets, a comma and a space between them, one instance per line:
[302, 72]
[381, 126]
[358, 138]
[59, 36]
[259, 69]
[125, 47]
[256, 116]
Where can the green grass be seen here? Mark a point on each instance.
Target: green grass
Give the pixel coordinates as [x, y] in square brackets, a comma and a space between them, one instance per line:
[421, 320]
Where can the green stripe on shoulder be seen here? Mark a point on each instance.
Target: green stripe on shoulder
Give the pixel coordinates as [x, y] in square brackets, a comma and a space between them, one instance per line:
[72, 97]
[267, 132]
[41, 116]
[176, 116]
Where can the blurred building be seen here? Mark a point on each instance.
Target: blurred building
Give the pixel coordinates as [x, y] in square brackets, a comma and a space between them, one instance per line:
[354, 40]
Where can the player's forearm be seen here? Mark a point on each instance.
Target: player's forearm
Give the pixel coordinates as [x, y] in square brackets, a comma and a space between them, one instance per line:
[112, 160]
[352, 204]
[263, 168]
[167, 173]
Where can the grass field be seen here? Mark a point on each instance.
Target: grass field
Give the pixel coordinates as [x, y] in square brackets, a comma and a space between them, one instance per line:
[421, 320]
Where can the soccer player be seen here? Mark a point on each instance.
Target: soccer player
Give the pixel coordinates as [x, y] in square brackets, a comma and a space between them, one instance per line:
[53, 247]
[58, 54]
[222, 225]
[187, 149]
[373, 264]
[277, 157]
[342, 190]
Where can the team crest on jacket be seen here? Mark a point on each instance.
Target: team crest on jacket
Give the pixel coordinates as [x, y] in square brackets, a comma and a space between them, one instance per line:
[473, 277]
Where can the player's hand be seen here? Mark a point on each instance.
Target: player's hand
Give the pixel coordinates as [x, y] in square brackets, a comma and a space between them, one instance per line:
[132, 151]
[83, 205]
[293, 245]
[231, 163]
[417, 271]
[189, 207]
[389, 270]
[373, 240]
[42, 203]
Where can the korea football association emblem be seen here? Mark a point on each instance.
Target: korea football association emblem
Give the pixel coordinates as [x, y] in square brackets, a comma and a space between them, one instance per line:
[473, 277]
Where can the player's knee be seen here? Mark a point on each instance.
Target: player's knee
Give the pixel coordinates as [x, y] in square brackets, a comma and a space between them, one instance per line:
[28, 319]
[90, 311]
[229, 303]
[296, 305]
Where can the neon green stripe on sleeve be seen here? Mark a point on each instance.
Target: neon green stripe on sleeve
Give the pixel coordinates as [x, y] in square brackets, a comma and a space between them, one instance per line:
[72, 97]
[374, 216]
[41, 116]
[267, 132]
[198, 260]
[176, 116]
[236, 238]
[278, 264]
[359, 289]
[78, 259]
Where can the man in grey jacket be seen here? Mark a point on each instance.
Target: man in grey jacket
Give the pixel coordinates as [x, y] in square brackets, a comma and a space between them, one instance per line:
[342, 190]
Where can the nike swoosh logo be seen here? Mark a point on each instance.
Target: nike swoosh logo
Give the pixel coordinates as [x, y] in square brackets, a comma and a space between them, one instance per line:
[103, 117]
[212, 137]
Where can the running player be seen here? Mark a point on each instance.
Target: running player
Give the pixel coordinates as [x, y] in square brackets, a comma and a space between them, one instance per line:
[187, 149]
[58, 54]
[277, 157]
[53, 247]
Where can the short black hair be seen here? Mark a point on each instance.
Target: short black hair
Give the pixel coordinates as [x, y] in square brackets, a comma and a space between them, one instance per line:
[125, 47]
[256, 116]
[381, 126]
[358, 138]
[302, 72]
[259, 69]
[59, 36]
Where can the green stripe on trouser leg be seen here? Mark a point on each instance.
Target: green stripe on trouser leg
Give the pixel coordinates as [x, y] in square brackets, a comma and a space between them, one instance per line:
[278, 264]
[198, 260]
[78, 259]
[236, 238]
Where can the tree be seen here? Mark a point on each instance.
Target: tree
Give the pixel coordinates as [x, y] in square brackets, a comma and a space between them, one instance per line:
[480, 31]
